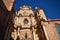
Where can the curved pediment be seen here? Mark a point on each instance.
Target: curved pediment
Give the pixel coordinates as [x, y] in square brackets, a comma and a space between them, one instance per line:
[25, 11]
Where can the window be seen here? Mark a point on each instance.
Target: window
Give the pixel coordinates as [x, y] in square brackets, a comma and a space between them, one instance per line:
[58, 28]
[25, 21]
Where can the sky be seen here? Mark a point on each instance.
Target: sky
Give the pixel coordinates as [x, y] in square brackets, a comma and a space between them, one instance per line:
[51, 8]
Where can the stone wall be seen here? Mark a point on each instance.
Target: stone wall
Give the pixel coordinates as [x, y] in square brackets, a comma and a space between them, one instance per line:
[5, 16]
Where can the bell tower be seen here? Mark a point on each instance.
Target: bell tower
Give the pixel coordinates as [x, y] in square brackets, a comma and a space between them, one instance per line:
[26, 25]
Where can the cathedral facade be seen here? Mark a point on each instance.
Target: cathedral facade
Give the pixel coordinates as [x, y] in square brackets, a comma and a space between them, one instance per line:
[26, 24]
[31, 25]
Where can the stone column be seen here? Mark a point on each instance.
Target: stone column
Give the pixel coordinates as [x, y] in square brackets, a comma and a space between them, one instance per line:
[44, 30]
[33, 33]
[18, 32]
[14, 34]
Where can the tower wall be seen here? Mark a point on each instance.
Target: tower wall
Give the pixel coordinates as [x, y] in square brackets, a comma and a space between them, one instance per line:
[8, 4]
[5, 17]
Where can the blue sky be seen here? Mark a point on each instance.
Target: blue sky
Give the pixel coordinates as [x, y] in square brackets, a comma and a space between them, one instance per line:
[51, 7]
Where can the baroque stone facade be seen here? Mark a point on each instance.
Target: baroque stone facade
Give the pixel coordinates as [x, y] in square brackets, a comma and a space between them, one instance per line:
[31, 25]
[26, 24]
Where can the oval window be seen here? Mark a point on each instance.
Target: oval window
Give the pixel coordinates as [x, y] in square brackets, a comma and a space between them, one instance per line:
[25, 21]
